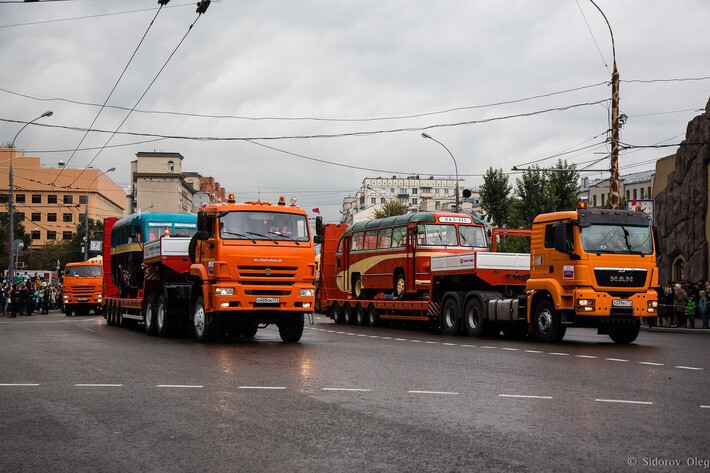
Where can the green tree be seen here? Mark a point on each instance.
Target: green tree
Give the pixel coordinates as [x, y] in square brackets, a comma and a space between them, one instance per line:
[96, 232]
[563, 183]
[4, 233]
[391, 208]
[534, 196]
[495, 196]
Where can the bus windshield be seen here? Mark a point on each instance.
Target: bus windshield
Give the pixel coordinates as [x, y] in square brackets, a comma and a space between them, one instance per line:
[83, 271]
[276, 226]
[446, 235]
[474, 237]
[617, 239]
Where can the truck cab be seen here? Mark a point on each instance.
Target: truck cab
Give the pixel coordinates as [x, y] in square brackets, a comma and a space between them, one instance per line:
[82, 288]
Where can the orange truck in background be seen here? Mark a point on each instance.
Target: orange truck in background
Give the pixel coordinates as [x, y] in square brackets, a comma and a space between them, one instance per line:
[82, 287]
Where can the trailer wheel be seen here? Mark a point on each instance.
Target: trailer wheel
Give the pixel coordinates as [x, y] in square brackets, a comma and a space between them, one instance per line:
[625, 335]
[163, 323]
[120, 321]
[450, 312]
[348, 317]
[373, 317]
[203, 325]
[360, 314]
[107, 315]
[473, 317]
[149, 315]
[547, 324]
[291, 328]
[336, 313]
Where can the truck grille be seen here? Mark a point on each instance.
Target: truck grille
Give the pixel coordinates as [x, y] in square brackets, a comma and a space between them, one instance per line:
[267, 272]
[620, 277]
[267, 281]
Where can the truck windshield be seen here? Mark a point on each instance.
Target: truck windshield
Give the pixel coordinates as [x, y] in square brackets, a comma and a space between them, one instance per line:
[83, 271]
[276, 226]
[617, 239]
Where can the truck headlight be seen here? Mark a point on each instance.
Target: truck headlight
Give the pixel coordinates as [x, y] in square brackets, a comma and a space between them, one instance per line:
[66, 296]
[585, 305]
[224, 291]
[307, 292]
[653, 306]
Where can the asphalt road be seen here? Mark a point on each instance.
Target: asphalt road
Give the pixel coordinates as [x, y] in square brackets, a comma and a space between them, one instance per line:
[78, 395]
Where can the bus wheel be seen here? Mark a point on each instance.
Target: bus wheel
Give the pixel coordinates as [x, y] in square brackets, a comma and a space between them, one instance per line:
[336, 313]
[163, 323]
[625, 334]
[203, 325]
[348, 317]
[291, 328]
[450, 311]
[358, 290]
[400, 285]
[547, 325]
[372, 317]
[473, 317]
[149, 315]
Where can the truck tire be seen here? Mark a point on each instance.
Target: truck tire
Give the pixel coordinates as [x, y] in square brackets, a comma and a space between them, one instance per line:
[68, 310]
[291, 328]
[360, 314]
[348, 317]
[373, 317]
[547, 325]
[163, 322]
[450, 314]
[473, 317]
[149, 315]
[109, 314]
[625, 335]
[203, 325]
[336, 313]
[248, 330]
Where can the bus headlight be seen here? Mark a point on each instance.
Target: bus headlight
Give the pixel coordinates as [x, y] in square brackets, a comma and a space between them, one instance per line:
[223, 291]
[307, 292]
[585, 305]
[653, 306]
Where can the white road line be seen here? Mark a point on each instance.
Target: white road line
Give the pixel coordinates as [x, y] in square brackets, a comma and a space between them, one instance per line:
[469, 346]
[432, 343]
[97, 385]
[361, 335]
[559, 354]
[276, 388]
[650, 363]
[524, 396]
[510, 349]
[449, 344]
[348, 390]
[179, 386]
[621, 401]
[688, 368]
[401, 339]
[532, 351]
[705, 407]
[374, 336]
[487, 346]
[19, 384]
[434, 392]
[615, 359]
[387, 338]
[586, 356]
[416, 341]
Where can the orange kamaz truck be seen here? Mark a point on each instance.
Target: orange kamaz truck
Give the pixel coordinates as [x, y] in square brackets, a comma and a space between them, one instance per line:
[82, 288]
[239, 267]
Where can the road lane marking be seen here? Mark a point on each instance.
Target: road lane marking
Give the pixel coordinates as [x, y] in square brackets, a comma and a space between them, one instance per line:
[487, 346]
[359, 390]
[524, 396]
[450, 393]
[97, 385]
[374, 336]
[19, 384]
[179, 386]
[615, 359]
[469, 346]
[275, 388]
[510, 349]
[559, 354]
[688, 368]
[432, 343]
[449, 344]
[622, 401]
[532, 351]
[401, 339]
[650, 363]
[705, 407]
[361, 335]
[586, 356]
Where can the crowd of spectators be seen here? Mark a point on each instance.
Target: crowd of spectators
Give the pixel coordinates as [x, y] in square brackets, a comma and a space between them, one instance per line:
[681, 304]
[29, 296]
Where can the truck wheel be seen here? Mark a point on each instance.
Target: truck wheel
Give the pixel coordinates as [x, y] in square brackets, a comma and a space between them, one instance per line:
[291, 328]
[547, 325]
[163, 323]
[473, 317]
[336, 313]
[400, 285]
[450, 312]
[625, 334]
[149, 315]
[120, 321]
[248, 330]
[360, 314]
[68, 310]
[109, 314]
[373, 317]
[202, 325]
[348, 317]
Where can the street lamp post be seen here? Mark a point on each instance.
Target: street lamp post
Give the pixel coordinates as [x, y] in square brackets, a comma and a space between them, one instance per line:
[86, 214]
[615, 124]
[11, 203]
[457, 208]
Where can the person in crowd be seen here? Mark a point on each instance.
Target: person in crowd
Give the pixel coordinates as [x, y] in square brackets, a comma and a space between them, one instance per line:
[703, 307]
[680, 305]
[665, 307]
[15, 298]
[690, 313]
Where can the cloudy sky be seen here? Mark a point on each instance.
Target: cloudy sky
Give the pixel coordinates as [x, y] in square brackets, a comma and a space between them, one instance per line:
[309, 97]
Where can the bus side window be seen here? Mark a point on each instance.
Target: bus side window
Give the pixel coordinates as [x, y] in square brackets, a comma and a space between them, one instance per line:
[398, 237]
[384, 238]
[370, 242]
[357, 241]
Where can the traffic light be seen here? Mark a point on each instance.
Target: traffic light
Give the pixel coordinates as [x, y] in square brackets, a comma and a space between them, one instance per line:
[202, 6]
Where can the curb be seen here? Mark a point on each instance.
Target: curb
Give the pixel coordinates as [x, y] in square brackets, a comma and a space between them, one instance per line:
[699, 331]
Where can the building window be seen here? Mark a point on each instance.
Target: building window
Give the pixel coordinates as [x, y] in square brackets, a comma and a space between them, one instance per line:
[602, 200]
[642, 193]
[4, 199]
[171, 166]
[402, 190]
[51, 235]
[373, 200]
[649, 192]
[82, 199]
[52, 199]
[415, 201]
[437, 192]
[51, 217]
[382, 200]
[20, 198]
[634, 194]
[415, 191]
[437, 205]
[36, 198]
[391, 190]
[446, 191]
[594, 200]
[66, 217]
[36, 217]
[628, 194]
[36, 235]
[20, 216]
[68, 199]
[66, 235]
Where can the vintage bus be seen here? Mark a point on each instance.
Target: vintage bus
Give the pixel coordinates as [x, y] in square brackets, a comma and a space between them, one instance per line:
[128, 236]
[392, 255]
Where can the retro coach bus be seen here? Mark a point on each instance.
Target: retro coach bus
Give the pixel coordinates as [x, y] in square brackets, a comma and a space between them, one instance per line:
[392, 255]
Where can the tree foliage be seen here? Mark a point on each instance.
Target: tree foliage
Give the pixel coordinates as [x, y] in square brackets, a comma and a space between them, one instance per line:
[391, 208]
[495, 196]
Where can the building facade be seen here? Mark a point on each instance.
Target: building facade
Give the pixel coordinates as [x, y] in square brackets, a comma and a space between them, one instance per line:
[634, 186]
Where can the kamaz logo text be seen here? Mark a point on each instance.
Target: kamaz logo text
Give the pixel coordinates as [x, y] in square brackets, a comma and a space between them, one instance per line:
[267, 260]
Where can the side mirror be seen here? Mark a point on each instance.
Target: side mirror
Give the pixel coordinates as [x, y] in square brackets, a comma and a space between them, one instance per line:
[202, 236]
[317, 239]
[319, 227]
[201, 221]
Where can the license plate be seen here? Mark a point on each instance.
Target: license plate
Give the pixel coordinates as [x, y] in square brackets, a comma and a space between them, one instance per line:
[267, 300]
[622, 303]
[83, 299]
